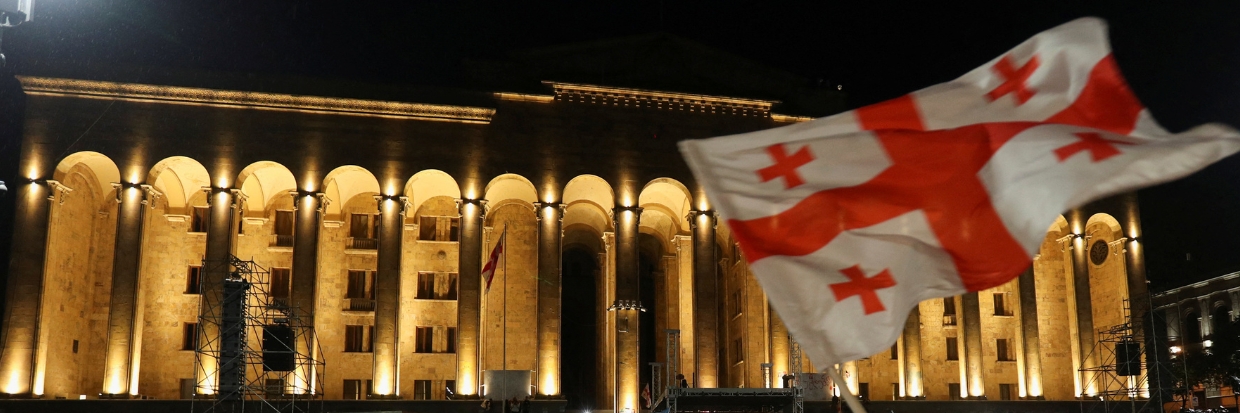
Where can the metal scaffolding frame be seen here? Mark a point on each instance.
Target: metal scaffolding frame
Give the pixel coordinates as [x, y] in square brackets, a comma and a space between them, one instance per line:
[1128, 393]
[235, 309]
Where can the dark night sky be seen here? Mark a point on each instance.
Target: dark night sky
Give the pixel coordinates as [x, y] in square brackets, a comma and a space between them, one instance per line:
[1183, 61]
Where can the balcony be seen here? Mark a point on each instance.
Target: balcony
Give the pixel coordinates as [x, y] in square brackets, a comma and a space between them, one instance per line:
[359, 304]
[363, 243]
[283, 241]
[949, 319]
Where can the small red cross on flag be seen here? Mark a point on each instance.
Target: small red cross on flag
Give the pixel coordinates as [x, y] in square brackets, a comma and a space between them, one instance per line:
[939, 192]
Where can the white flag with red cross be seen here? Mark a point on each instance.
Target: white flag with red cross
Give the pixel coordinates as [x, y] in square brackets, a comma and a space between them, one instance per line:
[850, 220]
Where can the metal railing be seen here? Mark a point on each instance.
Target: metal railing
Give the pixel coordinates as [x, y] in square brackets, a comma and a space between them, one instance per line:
[359, 304]
[949, 319]
[364, 243]
[283, 241]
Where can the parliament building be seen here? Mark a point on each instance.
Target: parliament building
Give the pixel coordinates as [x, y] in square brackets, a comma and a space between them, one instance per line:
[371, 211]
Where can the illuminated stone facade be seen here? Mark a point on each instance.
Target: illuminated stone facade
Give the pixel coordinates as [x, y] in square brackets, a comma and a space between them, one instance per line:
[383, 212]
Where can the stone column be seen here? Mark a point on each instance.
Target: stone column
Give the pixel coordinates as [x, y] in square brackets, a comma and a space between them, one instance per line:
[705, 299]
[912, 356]
[305, 277]
[972, 326]
[779, 348]
[469, 296]
[1084, 307]
[1174, 331]
[550, 241]
[221, 204]
[1207, 328]
[1029, 336]
[25, 285]
[626, 307]
[387, 297]
[120, 356]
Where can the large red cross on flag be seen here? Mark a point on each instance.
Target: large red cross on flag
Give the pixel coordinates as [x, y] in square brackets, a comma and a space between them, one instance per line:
[850, 220]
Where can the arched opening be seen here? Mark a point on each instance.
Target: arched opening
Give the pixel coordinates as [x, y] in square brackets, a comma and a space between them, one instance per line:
[1220, 320]
[1192, 328]
[649, 250]
[580, 327]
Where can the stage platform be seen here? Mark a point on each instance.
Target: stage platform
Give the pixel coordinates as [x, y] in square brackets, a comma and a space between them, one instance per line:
[728, 400]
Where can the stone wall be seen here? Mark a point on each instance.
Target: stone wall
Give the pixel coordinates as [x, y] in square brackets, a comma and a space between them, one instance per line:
[73, 333]
[1050, 271]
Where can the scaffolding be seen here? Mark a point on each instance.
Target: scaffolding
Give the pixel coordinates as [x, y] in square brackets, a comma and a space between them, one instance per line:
[1125, 377]
[253, 351]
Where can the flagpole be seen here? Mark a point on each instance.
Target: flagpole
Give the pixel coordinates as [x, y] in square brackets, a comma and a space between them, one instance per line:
[483, 332]
[503, 238]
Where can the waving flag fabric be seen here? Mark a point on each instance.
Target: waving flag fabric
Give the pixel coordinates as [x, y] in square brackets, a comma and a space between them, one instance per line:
[849, 221]
[488, 270]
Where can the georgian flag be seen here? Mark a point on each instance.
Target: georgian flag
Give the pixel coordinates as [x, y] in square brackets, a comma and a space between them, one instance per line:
[488, 270]
[850, 220]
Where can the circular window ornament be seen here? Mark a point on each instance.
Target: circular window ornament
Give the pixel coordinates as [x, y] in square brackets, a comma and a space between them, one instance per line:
[1098, 252]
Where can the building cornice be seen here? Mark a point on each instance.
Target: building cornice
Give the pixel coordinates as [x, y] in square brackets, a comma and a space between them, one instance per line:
[253, 100]
[641, 98]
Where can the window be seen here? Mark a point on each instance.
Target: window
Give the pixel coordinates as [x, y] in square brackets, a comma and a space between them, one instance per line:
[1005, 391]
[75, 346]
[439, 228]
[361, 285]
[448, 290]
[952, 352]
[421, 389]
[1002, 352]
[736, 303]
[949, 311]
[353, 389]
[189, 336]
[895, 351]
[284, 228]
[426, 286]
[359, 339]
[192, 278]
[280, 285]
[426, 228]
[953, 391]
[451, 340]
[199, 220]
[363, 231]
[863, 390]
[424, 340]
[738, 351]
[895, 391]
[432, 286]
[1000, 305]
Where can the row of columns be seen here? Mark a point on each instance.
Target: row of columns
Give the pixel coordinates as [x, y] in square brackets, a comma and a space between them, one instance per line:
[1028, 335]
[122, 346]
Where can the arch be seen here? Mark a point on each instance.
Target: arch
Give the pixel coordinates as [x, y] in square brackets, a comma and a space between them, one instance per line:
[1192, 327]
[589, 189]
[1103, 219]
[1060, 226]
[671, 197]
[1220, 318]
[179, 178]
[97, 168]
[262, 181]
[662, 226]
[510, 186]
[583, 236]
[345, 182]
[428, 184]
